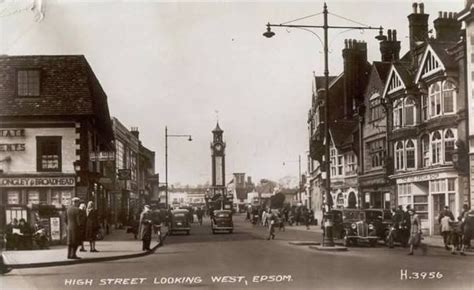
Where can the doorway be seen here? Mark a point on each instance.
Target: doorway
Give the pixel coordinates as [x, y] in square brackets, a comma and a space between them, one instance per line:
[439, 202]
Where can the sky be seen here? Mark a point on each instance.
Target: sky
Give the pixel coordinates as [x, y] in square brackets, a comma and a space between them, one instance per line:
[185, 64]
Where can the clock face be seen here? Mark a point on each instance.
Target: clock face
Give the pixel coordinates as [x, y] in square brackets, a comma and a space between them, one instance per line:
[218, 147]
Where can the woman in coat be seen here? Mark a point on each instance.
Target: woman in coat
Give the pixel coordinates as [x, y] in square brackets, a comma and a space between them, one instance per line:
[92, 225]
[415, 232]
[145, 227]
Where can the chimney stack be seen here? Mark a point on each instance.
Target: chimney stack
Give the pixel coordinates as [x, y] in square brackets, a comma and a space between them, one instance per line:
[390, 47]
[135, 132]
[418, 24]
[355, 69]
[447, 27]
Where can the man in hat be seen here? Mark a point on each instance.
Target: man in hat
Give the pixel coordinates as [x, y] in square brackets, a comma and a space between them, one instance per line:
[145, 227]
[73, 221]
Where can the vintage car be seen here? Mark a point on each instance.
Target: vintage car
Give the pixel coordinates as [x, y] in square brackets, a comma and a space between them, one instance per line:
[380, 220]
[222, 221]
[351, 226]
[179, 221]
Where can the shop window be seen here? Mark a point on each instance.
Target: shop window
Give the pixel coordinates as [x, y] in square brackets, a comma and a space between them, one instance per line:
[425, 143]
[33, 196]
[449, 141]
[13, 197]
[399, 155]
[48, 150]
[448, 98]
[410, 112]
[60, 197]
[28, 82]
[436, 148]
[410, 153]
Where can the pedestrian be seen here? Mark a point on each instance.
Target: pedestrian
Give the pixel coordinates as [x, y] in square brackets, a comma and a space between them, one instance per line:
[92, 226]
[415, 232]
[264, 218]
[73, 223]
[468, 230]
[271, 218]
[446, 230]
[82, 227]
[455, 239]
[25, 238]
[281, 222]
[145, 228]
[11, 235]
[199, 214]
[308, 218]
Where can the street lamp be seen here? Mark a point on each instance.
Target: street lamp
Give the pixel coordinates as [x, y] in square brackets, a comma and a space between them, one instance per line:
[269, 33]
[166, 157]
[299, 175]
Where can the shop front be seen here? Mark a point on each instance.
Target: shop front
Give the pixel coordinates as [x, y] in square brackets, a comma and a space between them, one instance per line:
[39, 199]
[377, 192]
[429, 193]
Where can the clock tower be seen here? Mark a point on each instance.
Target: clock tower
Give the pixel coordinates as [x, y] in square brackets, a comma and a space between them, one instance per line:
[218, 162]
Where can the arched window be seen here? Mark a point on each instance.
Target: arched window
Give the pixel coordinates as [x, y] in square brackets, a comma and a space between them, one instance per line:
[410, 154]
[435, 99]
[397, 114]
[448, 98]
[399, 155]
[436, 148]
[449, 141]
[425, 143]
[409, 108]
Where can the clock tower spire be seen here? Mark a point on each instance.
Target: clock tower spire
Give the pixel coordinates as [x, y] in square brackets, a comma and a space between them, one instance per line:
[218, 161]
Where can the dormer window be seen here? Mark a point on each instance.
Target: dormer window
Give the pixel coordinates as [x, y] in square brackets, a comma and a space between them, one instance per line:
[28, 82]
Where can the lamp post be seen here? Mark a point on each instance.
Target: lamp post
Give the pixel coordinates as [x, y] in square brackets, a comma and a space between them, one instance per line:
[166, 157]
[269, 33]
[299, 175]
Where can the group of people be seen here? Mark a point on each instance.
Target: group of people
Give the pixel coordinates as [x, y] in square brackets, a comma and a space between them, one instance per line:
[457, 235]
[299, 215]
[82, 225]
[19, 235]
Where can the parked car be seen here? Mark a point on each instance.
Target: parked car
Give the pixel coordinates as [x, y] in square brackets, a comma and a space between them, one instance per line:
[179, 221]
[222, 221]
[380, 220]
[351, 226]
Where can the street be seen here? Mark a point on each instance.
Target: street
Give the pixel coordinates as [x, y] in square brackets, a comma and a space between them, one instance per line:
[246, 260]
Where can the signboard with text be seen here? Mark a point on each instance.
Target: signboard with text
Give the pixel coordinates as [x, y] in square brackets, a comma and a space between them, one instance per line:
[124, 174]
[38, 181]
[102, 156]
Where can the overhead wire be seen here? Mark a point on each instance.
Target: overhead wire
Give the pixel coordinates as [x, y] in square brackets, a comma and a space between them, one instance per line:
[301, 18]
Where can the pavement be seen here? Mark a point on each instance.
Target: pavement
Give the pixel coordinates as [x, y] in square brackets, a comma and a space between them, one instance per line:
[117, 245]
[430, 241]
[247, 260]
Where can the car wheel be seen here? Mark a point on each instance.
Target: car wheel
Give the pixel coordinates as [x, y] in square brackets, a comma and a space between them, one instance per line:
[373, 243]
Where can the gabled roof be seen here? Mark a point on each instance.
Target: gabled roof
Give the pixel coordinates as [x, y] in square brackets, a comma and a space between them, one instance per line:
[399, 77]
[342, 132]
[435, 58]
[382, 68]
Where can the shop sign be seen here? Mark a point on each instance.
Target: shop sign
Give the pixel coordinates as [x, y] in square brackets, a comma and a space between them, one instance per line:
[124, 174]
[418, 178]
[12, 132]
[12, 147]
[55, 228]
[37, 181]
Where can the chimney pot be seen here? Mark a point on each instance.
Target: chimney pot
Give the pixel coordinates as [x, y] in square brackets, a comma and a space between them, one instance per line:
[389, 33]
[445, 14]
[394, 35]
[415, 8]
[422, 8]
[440, 14]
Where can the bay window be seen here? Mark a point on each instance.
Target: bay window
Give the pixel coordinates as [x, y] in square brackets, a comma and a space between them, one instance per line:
[410, 154]
[448, 97]
[436, 148]
[399, 155]
[409, 108]
[425, 143]
[449, 140]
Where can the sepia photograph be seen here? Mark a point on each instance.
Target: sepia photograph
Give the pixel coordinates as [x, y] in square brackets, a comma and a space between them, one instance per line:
[166, 144]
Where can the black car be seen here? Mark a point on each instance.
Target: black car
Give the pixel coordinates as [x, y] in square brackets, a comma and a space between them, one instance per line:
[222, 221]
[351, 226]
[379, 220]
